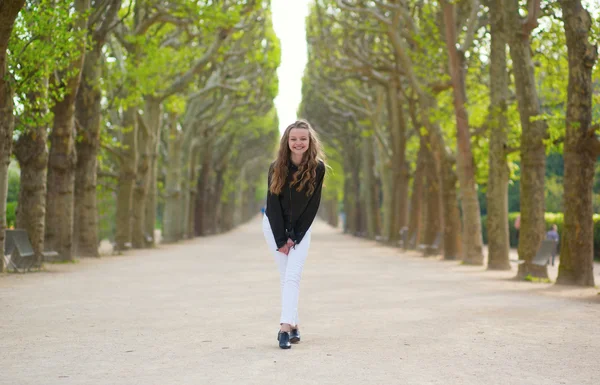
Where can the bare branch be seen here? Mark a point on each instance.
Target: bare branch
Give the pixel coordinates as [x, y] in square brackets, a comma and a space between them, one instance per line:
[108, 23]
[116, 152]
[471, 27]
[179, 84]
[160, 17]
[531, 22]
[343, 4]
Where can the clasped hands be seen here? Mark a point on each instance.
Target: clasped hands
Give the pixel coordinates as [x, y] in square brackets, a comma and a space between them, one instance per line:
[285, 249]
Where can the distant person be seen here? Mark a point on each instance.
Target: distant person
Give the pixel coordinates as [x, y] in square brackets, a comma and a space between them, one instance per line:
[518, 227]
[262, 210]
[553, 235]
[294, 193]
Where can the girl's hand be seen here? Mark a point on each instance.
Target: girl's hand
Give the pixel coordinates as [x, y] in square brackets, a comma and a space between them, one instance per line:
[285, 249]
[290, 243]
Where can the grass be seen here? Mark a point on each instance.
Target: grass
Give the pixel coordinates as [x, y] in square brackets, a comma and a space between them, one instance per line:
[531, 278]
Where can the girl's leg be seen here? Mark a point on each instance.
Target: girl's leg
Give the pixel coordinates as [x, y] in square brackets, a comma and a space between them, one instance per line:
[280, 258]
[291, 283]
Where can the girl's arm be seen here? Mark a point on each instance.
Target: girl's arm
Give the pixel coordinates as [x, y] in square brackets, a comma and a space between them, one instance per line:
[275, 214]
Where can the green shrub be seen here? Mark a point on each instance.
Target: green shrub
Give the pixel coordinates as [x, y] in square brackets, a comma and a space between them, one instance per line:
[11, 215]
[551, 219]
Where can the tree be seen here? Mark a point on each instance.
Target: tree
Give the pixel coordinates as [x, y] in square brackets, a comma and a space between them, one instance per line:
[533, 155]
[472, 239]
[497, 189]
[581, 149]
[9, 9]
[102, 20]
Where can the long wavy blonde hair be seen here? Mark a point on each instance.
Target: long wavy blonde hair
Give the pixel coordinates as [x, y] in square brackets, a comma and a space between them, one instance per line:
[307, 170]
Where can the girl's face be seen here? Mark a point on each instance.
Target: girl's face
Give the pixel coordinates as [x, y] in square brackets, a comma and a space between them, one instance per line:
[299, 140]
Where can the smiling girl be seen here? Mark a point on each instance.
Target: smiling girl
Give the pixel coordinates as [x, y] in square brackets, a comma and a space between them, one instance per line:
[294, 182]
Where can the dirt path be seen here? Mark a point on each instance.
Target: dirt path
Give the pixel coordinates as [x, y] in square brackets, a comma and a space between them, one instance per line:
[205, 312]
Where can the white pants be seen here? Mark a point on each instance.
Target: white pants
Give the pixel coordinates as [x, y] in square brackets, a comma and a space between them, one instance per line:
[290, 271]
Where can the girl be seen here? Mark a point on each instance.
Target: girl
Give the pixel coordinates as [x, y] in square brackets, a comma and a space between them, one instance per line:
[294, 183]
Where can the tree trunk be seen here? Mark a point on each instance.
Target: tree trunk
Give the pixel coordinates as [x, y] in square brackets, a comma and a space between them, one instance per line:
[172, 217]
[32, 153]
[351, 199]
[386, 186]
[369, 192]
[472, 239]
[9, 9]
[433, 224]
[201, 221]
[414, 222]
[580, 151]
[154, 113]
[61, 180]
[451, 217]
[127, 176]
[190, 190]
[398, 167]
[140, 190]
[88, 114]
[533, 156]
[497, 193]
[60, 198]
[217, 209]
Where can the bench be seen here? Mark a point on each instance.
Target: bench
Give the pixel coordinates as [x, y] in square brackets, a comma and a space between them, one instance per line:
[19, 253]
[433, 247]
[544, 253]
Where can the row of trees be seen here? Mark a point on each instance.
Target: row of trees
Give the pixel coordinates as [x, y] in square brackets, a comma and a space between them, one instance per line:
[447, 98]
[135, 101]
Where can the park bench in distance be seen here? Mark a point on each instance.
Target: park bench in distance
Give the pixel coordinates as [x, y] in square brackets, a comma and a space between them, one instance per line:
[19, 253]
[543, 254]
[433, 247]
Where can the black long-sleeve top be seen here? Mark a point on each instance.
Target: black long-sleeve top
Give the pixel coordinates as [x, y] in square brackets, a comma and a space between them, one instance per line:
[291, 213]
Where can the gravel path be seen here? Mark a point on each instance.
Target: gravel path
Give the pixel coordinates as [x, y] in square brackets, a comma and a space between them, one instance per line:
[205, 312]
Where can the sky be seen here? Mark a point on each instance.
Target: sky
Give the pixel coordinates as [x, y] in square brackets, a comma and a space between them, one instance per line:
[288, 22]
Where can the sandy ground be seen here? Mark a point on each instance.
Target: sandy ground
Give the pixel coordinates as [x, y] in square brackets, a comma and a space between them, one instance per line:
[205, 311]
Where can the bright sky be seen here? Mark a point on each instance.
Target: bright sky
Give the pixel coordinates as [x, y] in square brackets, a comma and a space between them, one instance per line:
[288, 22]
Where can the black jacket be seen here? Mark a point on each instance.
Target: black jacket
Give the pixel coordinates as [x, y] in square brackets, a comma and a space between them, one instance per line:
[292, 212]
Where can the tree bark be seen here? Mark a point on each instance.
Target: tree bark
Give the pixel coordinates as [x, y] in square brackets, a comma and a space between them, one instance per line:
[497, 193]
[140, 190]
[154, 112]
[451, 217]
[399, 173]
[416, 200]
[201, 221]
[368, 188]
[190, 190]
[388, 199]
[577, 248]
[433, 219]
[32, 153]
[172, 217]
[472, 239]
[9, 9]
[533, 156]
[127, 176]
[61, 180]
[88, 114]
